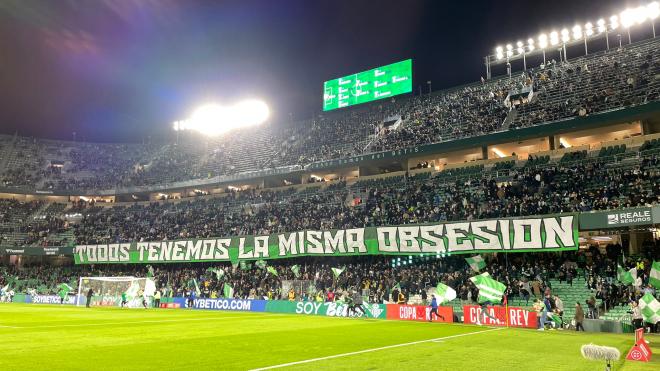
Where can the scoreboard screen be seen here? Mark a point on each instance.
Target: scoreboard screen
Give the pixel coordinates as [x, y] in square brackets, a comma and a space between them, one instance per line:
[378, 83]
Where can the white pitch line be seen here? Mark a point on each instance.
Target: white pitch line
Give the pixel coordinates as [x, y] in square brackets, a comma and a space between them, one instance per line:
[373, 350]
[2, 326]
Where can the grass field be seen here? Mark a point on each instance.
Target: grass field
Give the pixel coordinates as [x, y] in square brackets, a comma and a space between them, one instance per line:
[36, 337]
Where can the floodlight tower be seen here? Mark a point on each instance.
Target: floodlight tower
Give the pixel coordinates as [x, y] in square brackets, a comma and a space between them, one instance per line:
[578, 34]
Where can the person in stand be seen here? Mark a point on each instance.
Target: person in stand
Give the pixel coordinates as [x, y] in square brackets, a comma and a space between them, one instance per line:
[330, 297]
[434, 309]
[402, 298]
[579, 317]
[90, 293]
[124, 299]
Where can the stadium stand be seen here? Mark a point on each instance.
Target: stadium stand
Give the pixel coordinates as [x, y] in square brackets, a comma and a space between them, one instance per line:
[600, 82]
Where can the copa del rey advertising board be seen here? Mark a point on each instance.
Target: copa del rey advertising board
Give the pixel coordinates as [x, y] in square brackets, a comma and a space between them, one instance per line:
[418, 313]
[518, 317]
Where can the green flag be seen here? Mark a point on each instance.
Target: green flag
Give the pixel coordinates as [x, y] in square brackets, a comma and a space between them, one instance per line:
[626, 277]
[489, 289]
[650, 308]
[260, 264]
[477, 263]
[219, 272]
[150, 271]
[654, 276]
[338, 271]
[64, 290]
[245, 265]
[228, 291]
[397, 286]
[444, 293]
[296, 270]
[272, 271]
[197, 291]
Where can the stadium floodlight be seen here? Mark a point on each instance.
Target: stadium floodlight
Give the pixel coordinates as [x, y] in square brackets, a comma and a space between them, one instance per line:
[653, 10]
[602, 27]
[499, 52]
[543, 41]
[628, 18]
[509, 50]
[565, 36]
[588, 29]
[214, 119]
[520, 48]
[530, 44]
[577, 32]
[614, 22]
[554, 38]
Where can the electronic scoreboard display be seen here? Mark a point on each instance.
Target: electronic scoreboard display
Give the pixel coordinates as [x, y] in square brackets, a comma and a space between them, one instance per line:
[378, 83]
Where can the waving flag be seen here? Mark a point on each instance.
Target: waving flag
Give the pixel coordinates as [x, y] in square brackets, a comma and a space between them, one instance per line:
[228, 291]
[64, 290]
[338, 271]
[444, 293]
[150, 271]
[296, 270]
[626, 277]
[219, 272]
[654, 276]
[489, 289]
[149, 287]
[650, 308]
[272, 271]
[477, 263]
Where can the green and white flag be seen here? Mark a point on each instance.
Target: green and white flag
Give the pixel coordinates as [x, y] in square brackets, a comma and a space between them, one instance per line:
[489, 289]
[444, 293]
[272, 271]
[261, 264]
[245, 265]
[5, 289]
[219, 272]
[626, 277]
[654, 276]
[650, 308]
[296, 270]
[228, 291]
[337, 271]
[197, 291]
[477, 263]
[133, 290]
[64, 290]
[150, 271]
[397, 286]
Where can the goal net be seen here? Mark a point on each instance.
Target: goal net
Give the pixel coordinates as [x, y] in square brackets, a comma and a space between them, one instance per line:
[108, 291]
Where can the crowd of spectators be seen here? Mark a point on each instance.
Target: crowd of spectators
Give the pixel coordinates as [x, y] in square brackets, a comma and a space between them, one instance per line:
[618, 78]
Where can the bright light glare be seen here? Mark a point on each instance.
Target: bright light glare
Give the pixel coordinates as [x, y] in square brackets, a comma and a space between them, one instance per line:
[601, 25]
[589, 29]
[653, 10]
[543, 41]
[577, 32]
[554, 38]
[614, 22]
[564, 36]
[214, 119]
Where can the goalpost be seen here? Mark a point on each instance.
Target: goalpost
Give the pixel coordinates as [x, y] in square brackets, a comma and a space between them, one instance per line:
[108, 291]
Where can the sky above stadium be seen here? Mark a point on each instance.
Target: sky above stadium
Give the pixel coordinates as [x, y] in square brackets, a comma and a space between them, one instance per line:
[123, 70]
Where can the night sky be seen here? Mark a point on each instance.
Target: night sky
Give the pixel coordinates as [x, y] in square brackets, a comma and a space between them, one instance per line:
[121, 70]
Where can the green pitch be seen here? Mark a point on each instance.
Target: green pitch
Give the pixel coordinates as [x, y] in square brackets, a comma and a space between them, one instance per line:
[36, 337]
